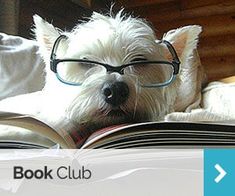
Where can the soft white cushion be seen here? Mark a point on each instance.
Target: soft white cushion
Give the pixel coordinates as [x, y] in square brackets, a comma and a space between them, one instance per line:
[21, 67]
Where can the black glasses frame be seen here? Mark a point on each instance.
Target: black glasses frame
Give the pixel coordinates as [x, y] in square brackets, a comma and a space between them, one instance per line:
[175, 63]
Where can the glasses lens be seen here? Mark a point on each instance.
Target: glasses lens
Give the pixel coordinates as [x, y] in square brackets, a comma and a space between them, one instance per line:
[151, 73]
[77, 72]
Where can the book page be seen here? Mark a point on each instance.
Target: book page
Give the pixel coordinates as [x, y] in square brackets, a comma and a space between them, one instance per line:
[30, 123]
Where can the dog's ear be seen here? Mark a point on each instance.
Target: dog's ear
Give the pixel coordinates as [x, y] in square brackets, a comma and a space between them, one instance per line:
[45, 35]
[191, 76]
[184, 40]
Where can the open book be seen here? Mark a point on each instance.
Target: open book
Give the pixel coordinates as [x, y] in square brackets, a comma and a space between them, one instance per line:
[142, 135]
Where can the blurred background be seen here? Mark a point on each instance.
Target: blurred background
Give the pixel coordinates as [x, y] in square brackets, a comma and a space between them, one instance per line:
[217, 17]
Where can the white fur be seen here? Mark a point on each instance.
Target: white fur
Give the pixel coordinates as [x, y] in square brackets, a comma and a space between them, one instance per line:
[113, 40]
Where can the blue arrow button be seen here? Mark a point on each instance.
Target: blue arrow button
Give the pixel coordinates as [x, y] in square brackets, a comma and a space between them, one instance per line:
[219, 172]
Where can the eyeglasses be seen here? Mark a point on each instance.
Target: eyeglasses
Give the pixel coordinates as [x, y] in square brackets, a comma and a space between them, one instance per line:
[147, 73]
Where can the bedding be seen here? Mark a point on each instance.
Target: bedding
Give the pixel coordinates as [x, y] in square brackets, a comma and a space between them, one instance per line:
[217, 105]
[21, 72]
[21, 67]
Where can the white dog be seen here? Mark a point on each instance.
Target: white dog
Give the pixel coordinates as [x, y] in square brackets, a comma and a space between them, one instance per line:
[109, 70]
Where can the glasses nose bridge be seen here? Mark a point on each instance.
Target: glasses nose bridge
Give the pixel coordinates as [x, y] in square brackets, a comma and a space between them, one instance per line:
[110, 69]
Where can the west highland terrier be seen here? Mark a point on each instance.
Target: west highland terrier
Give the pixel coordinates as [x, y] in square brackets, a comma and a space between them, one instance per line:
[109, 70]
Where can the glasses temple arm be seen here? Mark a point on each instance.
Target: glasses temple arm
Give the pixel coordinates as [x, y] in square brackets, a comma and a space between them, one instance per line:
[54, 48]
[175, 61]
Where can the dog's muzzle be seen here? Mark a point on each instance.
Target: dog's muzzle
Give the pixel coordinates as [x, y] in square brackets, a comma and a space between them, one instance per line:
[115, 93]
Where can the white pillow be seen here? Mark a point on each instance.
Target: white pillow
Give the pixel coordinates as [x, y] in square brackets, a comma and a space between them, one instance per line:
[21, 67]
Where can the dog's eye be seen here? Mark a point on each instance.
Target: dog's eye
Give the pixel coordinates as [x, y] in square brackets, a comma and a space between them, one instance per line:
[85, 65]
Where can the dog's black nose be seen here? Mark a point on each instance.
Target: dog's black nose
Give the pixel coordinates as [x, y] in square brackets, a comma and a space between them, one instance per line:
[115, 93]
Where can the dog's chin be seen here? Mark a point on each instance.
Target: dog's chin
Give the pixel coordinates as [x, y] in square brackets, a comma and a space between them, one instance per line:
[117, 113]
[117, 117]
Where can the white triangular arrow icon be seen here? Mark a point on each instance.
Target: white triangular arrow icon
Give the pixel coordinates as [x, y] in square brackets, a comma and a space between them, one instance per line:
[221, 171]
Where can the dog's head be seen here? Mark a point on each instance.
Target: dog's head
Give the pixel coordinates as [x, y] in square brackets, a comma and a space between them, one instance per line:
[107, 83]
